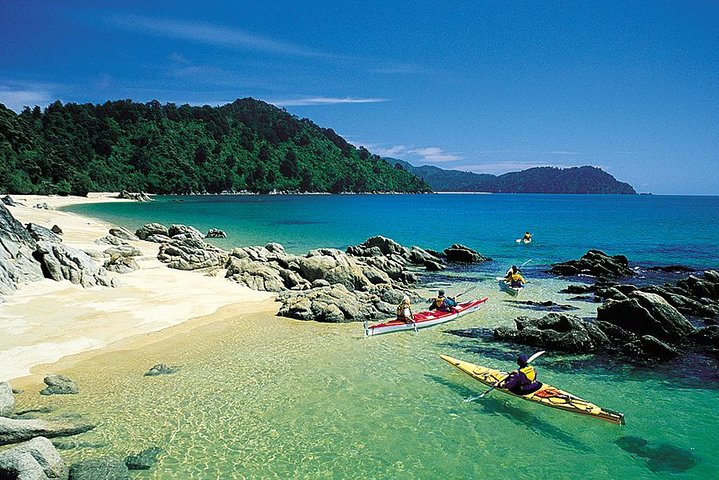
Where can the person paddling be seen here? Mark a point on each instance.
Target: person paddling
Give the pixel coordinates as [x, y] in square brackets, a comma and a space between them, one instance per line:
[527, 237]
[523, 380]
[514, 278]
[443, 303]
[404, 311]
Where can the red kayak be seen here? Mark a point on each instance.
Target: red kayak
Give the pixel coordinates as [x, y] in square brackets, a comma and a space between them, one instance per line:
[424, 319]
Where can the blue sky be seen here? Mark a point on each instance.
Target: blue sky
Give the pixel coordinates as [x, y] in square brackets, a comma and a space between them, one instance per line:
[632, 87]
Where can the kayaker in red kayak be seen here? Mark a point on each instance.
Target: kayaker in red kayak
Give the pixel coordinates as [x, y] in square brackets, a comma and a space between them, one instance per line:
[404, 311]
[523, 380]
[442, 303]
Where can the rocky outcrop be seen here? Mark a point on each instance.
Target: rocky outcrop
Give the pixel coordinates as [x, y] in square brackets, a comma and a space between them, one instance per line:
[706, 337]
[216, 233]
[101, 468]
[123, 233]
[56, 230]
[8, 200]
[61, 262]
[36, 459]
[151, 229]
[649, 347]
[338, 304]
[17, 264]
[121, 265]
[191, 254]
[556, 331]
[111, 240]
[123, 251]
[19, 430]
[42, 234]
[188, 231]
[7, 399]
[644, 313]
[460, 253]
[139, 197]
[595, 263]
[392, 258]
[59, 385]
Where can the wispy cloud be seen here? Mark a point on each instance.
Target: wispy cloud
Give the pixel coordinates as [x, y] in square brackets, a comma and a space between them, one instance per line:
[421, 154]
[16, 97]
[209, 34]
[304, 101]
[564, 152]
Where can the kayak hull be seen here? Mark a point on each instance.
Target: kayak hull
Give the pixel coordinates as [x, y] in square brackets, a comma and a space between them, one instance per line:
[505, 287]
[425, 319]
[547, 395]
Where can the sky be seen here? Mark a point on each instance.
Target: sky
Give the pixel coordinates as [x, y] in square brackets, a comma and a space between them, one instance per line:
[487, 87]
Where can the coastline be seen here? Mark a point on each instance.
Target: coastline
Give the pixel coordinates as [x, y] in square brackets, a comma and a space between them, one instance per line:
[46, 321]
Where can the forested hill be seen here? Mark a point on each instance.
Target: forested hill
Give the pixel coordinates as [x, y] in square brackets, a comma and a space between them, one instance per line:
[123, 145]
[532, 180]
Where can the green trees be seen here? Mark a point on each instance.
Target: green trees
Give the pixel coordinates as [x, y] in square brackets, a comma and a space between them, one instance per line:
[248, 144]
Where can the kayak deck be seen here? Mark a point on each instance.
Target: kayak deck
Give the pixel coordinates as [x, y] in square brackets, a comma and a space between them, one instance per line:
[547, 395]
[425, 319]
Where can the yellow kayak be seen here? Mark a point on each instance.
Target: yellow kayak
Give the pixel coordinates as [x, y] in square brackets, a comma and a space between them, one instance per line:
[547, 395]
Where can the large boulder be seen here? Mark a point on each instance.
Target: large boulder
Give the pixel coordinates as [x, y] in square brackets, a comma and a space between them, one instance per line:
[255, 275]
[706, 287]
[378, 245]
[707, 337]
[111, 240]
[40, 233]
[216, 233]
[557, 331]
[595, 263]
[333, 266]
[14, 430]
[17, 264]
[101, 468]
[122, 265]
[191, 254]
[123, 233]
[648, 347]
[462, 254]
[61, 262]
[151, 229]
[645, 313]
[59, 385]
[36, 459]
[123, 251]
[7, 399]
[188, 231]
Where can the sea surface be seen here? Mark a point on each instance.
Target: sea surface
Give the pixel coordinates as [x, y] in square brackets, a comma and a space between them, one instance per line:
[278, 398]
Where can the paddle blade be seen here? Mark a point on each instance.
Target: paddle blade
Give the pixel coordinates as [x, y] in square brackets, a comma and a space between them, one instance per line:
[535, 356]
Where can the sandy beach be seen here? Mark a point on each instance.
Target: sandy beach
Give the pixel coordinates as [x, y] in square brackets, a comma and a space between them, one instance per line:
[45, 321]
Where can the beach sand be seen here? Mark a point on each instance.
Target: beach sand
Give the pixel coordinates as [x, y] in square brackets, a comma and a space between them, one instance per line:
[45, 321]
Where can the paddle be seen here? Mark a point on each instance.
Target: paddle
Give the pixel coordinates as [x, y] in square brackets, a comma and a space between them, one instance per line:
[529, 360]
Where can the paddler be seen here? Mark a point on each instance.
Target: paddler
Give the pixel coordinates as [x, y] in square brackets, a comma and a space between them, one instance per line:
[523, 380]
[527, 237]
[443, 303]
[514, 278]
[404, 311]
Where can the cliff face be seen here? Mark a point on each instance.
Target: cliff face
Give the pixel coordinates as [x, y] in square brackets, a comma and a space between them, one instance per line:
[534, 180]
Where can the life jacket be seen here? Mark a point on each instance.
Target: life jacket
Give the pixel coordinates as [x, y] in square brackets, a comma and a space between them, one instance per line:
[403, 311]
[438, 302]
[529, 373]
[517, 280]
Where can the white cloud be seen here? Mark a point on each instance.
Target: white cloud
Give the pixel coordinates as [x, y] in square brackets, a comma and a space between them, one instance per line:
[414, 154]
[210, 34]
[322, 101]
[434, 154]
[394, 151]
[16, 98]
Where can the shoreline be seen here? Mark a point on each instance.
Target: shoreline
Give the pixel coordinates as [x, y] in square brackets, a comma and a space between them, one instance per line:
[44, 322]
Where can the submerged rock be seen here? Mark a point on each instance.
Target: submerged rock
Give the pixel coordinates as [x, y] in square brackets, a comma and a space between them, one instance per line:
[59, 385]
[557, 331]
[36, 459]
[143, 460]
[162, 369]
[101, 468]
[595, 263]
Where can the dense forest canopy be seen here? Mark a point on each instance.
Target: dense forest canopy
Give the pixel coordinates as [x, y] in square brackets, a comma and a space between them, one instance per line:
[124, 145]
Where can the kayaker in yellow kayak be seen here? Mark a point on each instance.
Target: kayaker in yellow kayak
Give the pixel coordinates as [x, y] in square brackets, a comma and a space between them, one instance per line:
[404, 310]
[443, 303]
[523, 380]
[514, 278]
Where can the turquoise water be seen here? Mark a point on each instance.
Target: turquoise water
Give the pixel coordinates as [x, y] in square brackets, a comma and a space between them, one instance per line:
[277, 398]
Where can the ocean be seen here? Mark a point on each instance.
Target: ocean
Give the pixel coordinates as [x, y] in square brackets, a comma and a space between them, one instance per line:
[280, 398]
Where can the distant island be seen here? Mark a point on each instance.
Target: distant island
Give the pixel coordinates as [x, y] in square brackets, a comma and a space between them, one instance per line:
[247, 145]
[533, 180]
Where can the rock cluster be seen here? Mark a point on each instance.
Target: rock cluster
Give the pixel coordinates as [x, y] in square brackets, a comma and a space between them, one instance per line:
[59, 385]
[139, 197]
[17, 264]
[595, 263]
[216, 233]
[36, 459]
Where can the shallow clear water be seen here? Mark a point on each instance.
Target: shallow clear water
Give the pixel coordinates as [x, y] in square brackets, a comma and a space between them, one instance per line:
[266, 397]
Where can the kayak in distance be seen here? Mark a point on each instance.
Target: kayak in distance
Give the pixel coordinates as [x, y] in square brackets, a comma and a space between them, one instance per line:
[546, 394]
[424, 319]
[506, 287]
